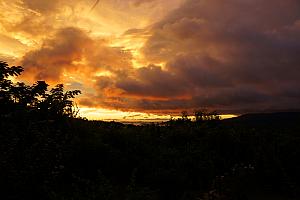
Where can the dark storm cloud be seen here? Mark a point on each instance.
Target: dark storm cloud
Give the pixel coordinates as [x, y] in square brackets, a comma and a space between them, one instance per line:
[233, 56]
[152, 82]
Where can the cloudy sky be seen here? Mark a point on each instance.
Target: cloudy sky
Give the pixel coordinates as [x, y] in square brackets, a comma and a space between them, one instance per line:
[131, 57]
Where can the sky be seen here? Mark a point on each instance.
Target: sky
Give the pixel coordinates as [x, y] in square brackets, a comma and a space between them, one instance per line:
[149, 59]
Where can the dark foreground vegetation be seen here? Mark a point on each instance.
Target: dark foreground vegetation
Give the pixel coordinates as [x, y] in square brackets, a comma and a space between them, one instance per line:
[48, 153]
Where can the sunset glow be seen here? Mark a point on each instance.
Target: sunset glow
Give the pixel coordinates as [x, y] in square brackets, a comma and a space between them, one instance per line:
[152, 59]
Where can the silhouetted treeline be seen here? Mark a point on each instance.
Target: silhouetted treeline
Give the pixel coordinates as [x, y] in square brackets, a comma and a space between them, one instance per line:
[47, 153]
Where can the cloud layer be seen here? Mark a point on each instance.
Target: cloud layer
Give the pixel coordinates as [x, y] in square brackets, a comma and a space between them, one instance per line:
[238, 56]
[234, 56]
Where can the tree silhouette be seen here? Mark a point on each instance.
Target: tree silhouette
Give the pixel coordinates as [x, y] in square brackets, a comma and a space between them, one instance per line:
[36, 97]
[59, 103]
[6, 85]
[203, 115]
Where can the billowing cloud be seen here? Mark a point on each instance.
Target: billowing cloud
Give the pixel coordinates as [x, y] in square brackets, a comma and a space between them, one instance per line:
[73, 51]
[234, 56]
[56, 54]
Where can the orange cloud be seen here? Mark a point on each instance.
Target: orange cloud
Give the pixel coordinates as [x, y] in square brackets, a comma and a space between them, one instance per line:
[234, 56]
[56, 55]
[71, 50]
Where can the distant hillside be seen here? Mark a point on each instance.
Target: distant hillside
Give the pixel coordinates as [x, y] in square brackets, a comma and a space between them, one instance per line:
[266, 119]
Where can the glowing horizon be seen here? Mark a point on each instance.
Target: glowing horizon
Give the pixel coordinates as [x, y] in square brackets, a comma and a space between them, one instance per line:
[115, 115]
